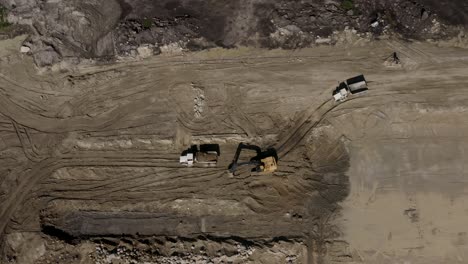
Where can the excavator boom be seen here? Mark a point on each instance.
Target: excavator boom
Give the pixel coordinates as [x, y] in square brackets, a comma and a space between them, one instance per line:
[263, 161]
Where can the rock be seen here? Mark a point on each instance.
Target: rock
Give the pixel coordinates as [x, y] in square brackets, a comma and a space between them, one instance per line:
[104, 46]
[323, 41]
[293, 28]
[46, 57]
[350, 12]
[424, 14]
[144, 51]
[27, 246]
[172, 48]
[199, 44]
[25, 49]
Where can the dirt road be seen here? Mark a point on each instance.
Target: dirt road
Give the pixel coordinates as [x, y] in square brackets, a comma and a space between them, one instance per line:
[92, 152]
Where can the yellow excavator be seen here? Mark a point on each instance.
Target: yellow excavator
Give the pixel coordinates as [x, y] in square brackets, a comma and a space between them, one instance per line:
[264, 161]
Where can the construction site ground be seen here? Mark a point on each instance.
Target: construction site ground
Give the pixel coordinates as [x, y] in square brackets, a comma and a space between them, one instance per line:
[90, 157]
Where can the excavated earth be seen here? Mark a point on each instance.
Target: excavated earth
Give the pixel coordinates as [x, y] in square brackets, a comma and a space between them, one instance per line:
[90, 169]
[89, 151]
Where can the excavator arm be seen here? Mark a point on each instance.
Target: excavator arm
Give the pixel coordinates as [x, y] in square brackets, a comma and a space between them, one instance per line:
[257, 160]
[242, 146]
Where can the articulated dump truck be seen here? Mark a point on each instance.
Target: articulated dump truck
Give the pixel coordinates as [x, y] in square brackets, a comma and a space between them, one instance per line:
[206, 155]
[353, 85]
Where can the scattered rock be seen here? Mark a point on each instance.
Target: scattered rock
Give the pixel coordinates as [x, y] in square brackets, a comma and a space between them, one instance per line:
[199, 101]
[424, 14]
[46, 56]
[144, 51]
[25, 49]
[97, 29]
[323, 40]
[26, 252]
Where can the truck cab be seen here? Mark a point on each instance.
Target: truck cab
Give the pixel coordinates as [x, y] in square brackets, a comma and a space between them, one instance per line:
[186, 159]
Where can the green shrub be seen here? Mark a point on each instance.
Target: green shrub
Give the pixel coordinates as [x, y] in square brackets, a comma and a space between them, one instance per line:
[3, 17]
[347, 4]
[147, 23]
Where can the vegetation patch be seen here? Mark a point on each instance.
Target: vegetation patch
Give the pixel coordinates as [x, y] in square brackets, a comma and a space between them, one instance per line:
[147, 23]
[347, 5]
[3, 17]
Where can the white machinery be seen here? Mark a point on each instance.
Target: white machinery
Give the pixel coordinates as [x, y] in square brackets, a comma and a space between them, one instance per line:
[206, 156]
[353, 85]
[341, 94]
[187, 159]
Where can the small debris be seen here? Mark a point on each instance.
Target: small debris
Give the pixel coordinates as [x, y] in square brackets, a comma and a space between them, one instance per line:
[323, 40]
[25, 49]
[145, 51]
[199, 101]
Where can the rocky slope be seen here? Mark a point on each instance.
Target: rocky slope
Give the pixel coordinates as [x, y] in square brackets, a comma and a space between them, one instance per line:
[74, 29]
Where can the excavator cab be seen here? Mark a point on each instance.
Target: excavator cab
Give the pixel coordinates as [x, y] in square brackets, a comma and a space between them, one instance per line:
[268, 165]
[264, 161]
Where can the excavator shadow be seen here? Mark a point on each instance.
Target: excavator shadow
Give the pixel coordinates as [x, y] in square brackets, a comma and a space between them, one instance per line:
[263, 161]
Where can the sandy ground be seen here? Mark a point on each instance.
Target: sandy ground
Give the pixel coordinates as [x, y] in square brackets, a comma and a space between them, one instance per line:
[93, 151]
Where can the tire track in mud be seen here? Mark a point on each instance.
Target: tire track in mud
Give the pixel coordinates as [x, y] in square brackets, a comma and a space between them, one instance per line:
[28, 118]
[185, 119]
[309, 119]
[49, 165]
[46, 124]
[153, 181]
[54, 125]
[232, 117]
[412, 53]
[236, 114]
[83, 123]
